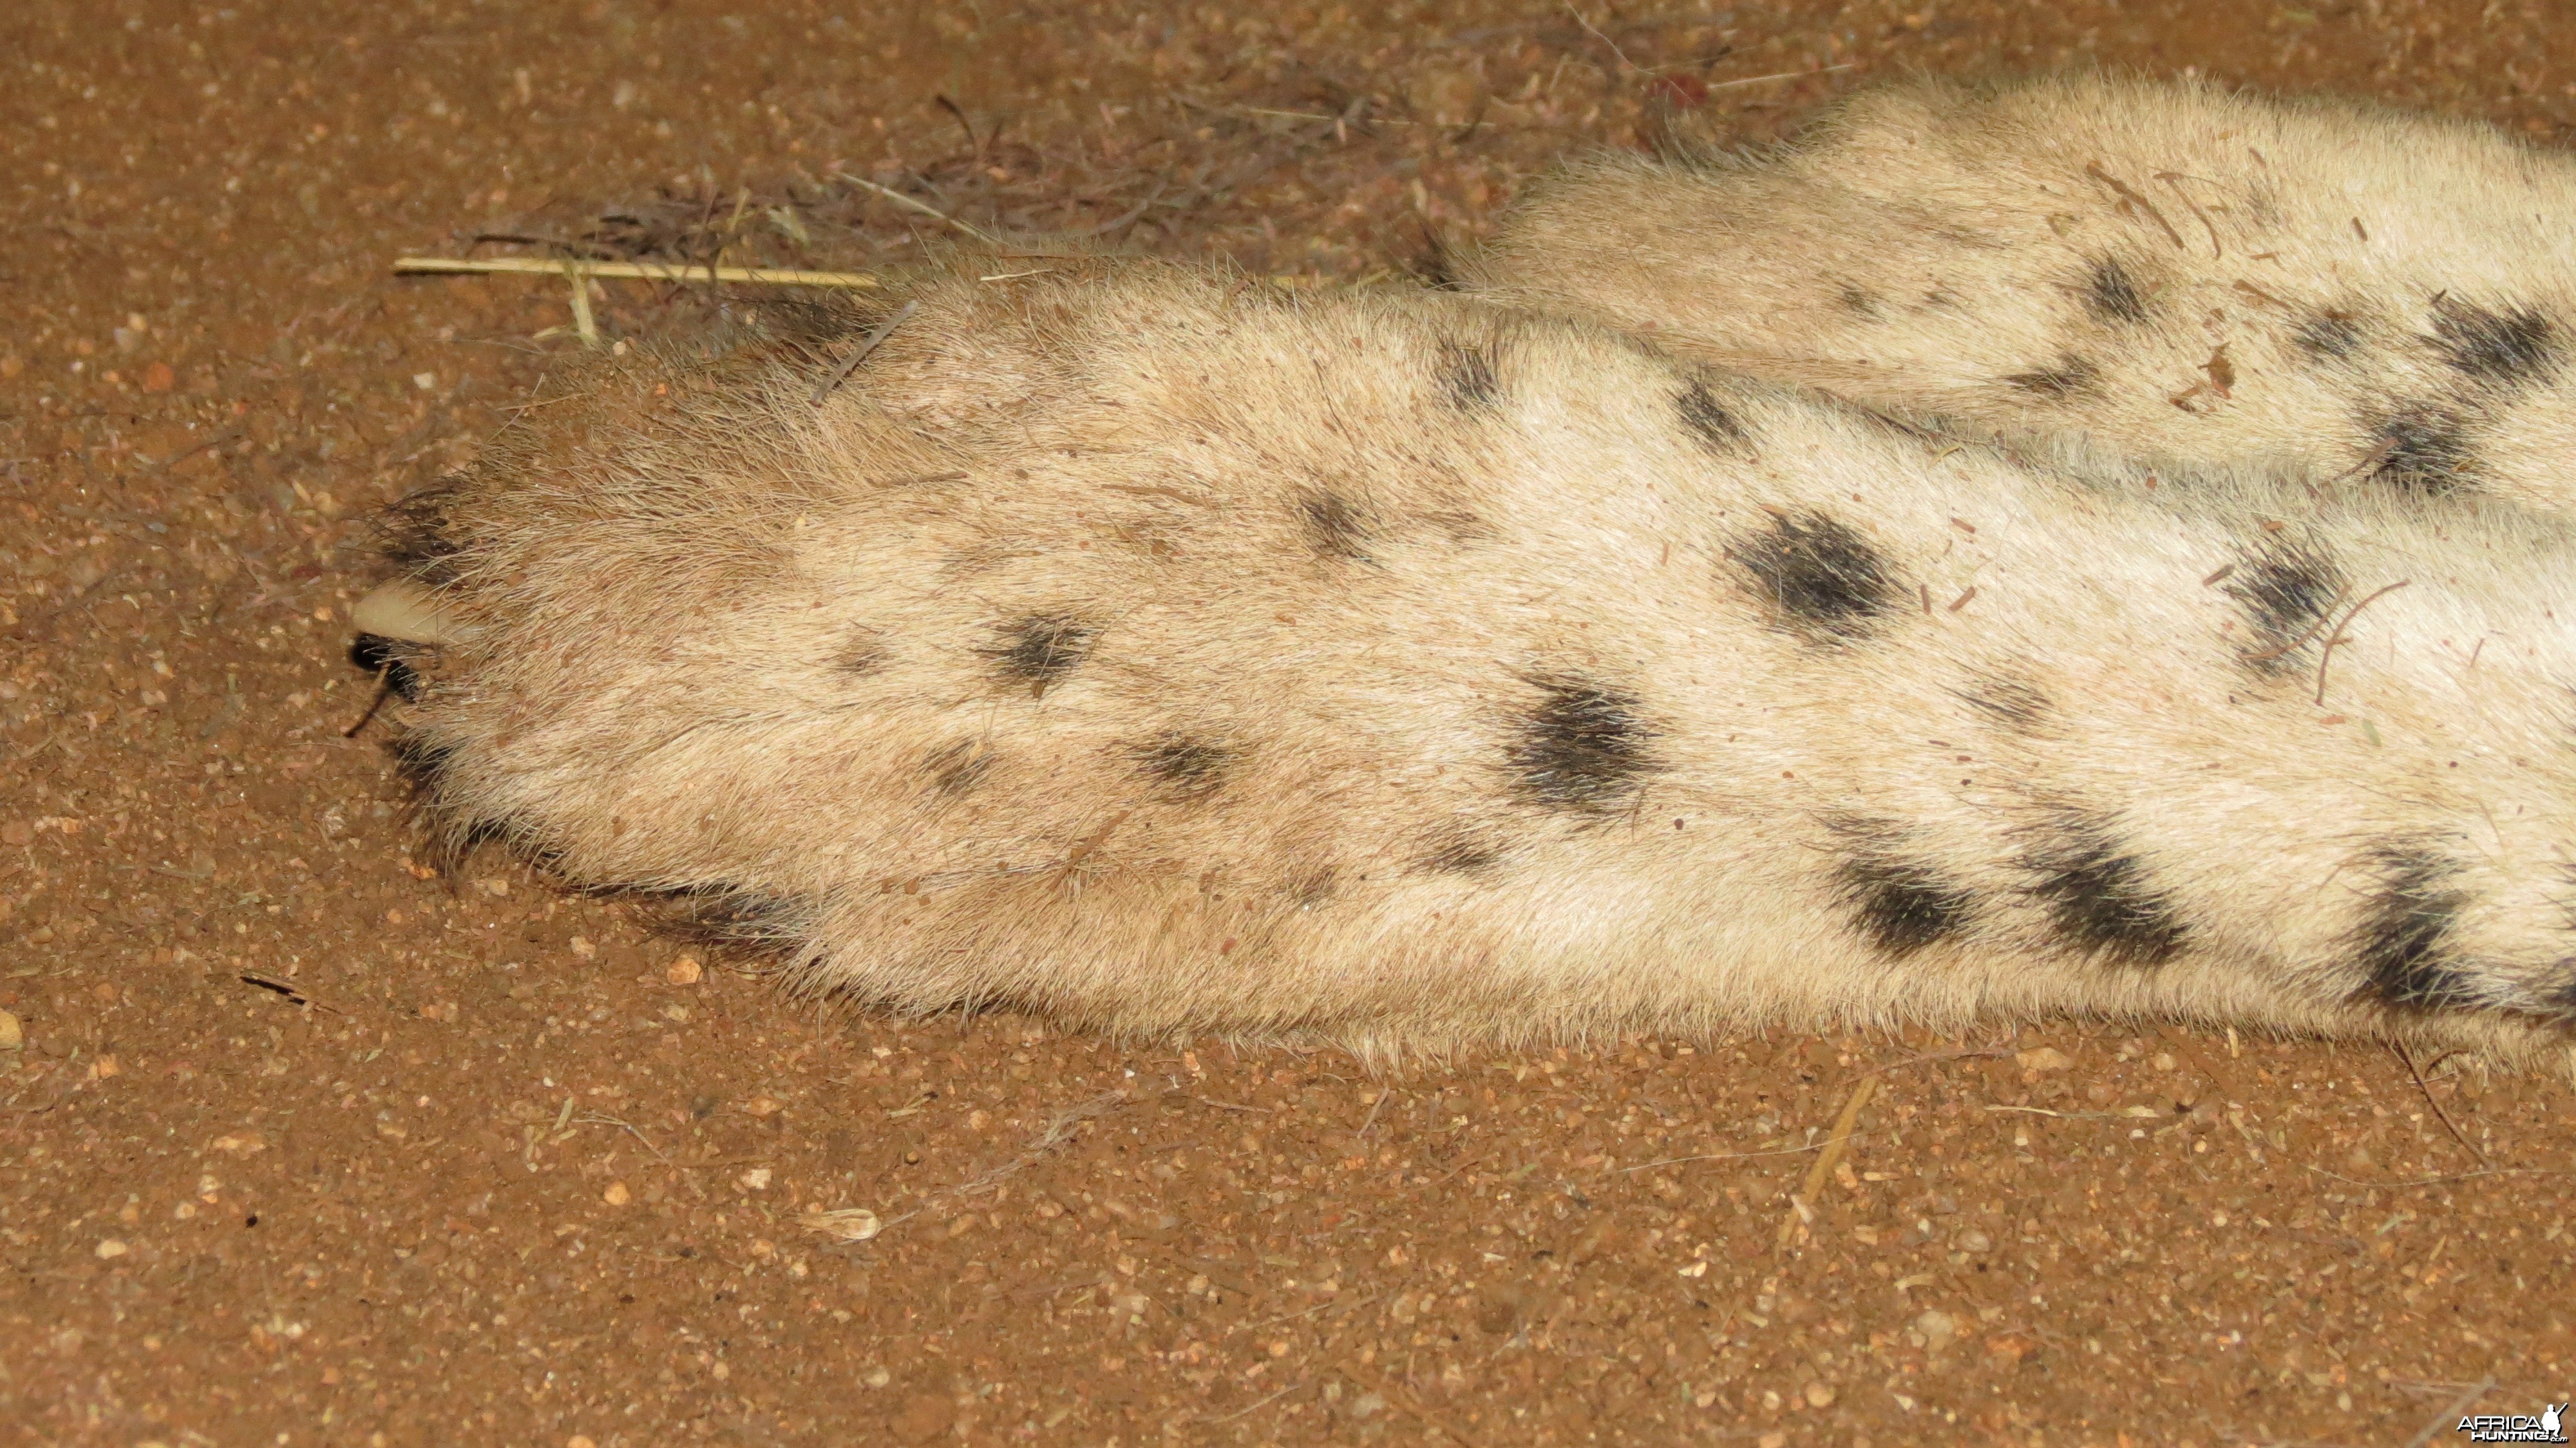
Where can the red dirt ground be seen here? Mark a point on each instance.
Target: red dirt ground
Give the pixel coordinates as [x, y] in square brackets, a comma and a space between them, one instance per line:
[302, 1145]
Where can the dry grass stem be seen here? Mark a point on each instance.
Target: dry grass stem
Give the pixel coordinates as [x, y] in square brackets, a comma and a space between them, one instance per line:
[926, 209]
[1802, 1201]
[2435, 1102]
[638, 271]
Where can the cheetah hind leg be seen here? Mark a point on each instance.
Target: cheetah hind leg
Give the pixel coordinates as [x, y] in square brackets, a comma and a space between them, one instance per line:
[1162, 653]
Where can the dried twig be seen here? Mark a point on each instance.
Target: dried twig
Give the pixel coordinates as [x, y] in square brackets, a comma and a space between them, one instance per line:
[2325, 656]
[384, 691]
[633, 271]
[2134, 199]
[2173, 182]
[2175, 1037]
[1595, 32]
[1059, 1130]
[294, 994]
[1802, 1201]
[2459, 1405]
[1780, 75]
[2462, 1137]
[595, 1118]
[925, 208]
[875, 338]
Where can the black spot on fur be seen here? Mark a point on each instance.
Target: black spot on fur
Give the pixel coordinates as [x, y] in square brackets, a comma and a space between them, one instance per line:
[2285, 586]
[960, 766]
[377, 654]
[2111, 294]
[2100, 898]
[2332, 335]
[1462, 856]
[1333, 526]
[2424, 449]
[2071, 375]
[1902, 904]
[2010, 702]
[1820, 578]
[861, 654]
[2402, 942]
[1467, 378]
[1708, 420]
[1190, 766]
[1583, 747]
[1043, 648]
[2506, 348]
[1860, 303]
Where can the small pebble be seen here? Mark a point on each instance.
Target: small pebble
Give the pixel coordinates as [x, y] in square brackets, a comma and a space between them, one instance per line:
[111, 1248]
[1819, 1396]
[617, 1195]
[12, 1035]
[877, 1377]
[1937, 1327]
[756, 1179]
[2045, 1058]
[684, 971]
[579, 1440]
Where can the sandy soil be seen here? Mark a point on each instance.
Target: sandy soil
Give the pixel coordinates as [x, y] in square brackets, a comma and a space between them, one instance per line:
[302, 1144]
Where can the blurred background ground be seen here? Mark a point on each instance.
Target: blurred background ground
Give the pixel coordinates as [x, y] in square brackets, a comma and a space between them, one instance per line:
[302, 1145]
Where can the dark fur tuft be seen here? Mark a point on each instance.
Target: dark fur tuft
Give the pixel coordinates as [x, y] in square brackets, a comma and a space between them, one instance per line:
[1819, 577]
[1583, 747]
[1333, 526]
[960, 766]
[2285, 585]
[1707, 420]
[2100, 897]
[1467, 378]
[2111, 294]
[2508, 349]
[1190, 766]
[1901, 903]
[1461, 855]
[2014, 703]
[2328, 335]
[2426, 448]
[1043, 648]
[728, 917]
[2402, 941]
[2071, 375]
[861, 654]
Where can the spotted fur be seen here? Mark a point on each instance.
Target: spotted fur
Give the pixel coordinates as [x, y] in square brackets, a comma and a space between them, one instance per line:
[2315, 292]
[1861, 725]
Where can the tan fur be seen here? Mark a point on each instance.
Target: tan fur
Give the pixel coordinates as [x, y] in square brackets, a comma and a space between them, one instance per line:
[1160, 652]
[2198, 280]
